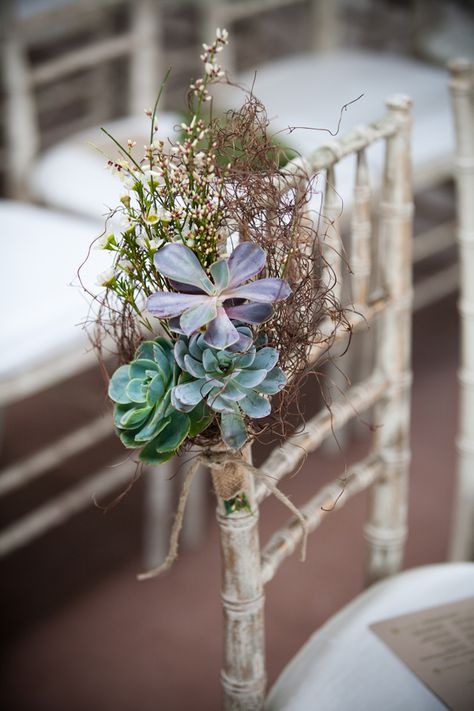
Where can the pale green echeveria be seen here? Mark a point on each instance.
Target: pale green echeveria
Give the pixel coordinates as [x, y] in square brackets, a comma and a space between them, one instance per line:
[231, 383]
[143, 414]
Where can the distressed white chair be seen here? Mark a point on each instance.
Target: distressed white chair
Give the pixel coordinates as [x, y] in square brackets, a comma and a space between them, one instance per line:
[385, 470]
[343, 665]
[310, 88]
[462, 92]
[70, 174]
[42, 344]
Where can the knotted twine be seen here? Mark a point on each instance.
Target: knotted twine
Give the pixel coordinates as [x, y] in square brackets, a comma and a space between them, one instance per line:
[228, 480]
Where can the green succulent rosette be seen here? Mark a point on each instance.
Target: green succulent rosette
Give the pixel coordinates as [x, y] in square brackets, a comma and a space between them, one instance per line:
[143, 413]
[232, 383]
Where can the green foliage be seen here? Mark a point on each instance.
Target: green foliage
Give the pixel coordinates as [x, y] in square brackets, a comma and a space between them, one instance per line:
[143, 414]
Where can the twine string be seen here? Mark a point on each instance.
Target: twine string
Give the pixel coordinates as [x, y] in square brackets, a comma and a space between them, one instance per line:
[214, 460]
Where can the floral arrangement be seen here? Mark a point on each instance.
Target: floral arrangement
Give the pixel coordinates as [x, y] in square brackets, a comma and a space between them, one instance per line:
[213, 297]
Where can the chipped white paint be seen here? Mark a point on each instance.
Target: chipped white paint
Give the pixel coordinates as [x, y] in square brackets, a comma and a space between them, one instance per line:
[385, 531]
[361, 232]
[243, 671]
[462, 93]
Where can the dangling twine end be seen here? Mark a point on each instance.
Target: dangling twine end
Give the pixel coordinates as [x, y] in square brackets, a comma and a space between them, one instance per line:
[289, 505]
[155, 572]
[177, 526]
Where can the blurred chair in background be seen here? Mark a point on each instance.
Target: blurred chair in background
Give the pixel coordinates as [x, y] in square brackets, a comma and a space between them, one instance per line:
[462, 92]
[65, 66]
[62, 65]
[42, 344]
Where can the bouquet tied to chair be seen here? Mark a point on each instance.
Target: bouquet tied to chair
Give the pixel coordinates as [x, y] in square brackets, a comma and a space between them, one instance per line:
[214, 295]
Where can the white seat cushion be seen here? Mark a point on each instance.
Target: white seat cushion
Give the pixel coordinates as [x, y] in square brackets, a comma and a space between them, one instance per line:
[72, 175]
[42, 303]
[345, 667]
[309, 90]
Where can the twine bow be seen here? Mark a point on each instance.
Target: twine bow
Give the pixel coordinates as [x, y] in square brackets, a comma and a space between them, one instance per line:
[226, 469]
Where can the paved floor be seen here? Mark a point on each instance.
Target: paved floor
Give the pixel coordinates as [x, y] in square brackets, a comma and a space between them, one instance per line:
[81, 634]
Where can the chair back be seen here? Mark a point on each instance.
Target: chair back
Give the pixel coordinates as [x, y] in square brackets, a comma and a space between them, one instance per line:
[64, 68]
[462, 94]
[321, 21]
[384, 472]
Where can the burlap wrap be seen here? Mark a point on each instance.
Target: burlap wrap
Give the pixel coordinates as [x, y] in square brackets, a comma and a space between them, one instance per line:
[228, 479]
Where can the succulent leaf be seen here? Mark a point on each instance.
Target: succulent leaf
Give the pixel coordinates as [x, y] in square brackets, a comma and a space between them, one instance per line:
[233, 430]
[228, 382]
[118, 385]
[145, 414]
[199, 301]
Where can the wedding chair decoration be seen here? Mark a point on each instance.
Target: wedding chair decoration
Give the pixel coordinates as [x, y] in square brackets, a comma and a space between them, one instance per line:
[223, 295]
[62, 165]
[462, 92]
[385, 470]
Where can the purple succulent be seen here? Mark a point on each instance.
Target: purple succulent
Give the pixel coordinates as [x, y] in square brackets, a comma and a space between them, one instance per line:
[200, 301]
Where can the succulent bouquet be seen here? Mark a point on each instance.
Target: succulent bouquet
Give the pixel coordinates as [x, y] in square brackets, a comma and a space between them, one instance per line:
[211, 366]
[200, 292]
[214, 295]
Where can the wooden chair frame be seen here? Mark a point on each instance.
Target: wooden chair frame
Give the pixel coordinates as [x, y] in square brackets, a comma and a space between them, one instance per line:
[246, 568]
[141, 42]
[462, 92]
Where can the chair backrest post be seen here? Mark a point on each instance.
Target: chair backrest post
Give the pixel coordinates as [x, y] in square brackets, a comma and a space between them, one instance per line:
[21, 129]
[146, 65]
[243, 673]
[386, 528]
[462, 93]
[324, 25]
[217, 13]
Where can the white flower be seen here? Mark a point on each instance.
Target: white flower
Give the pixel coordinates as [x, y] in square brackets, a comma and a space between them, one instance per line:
[161, 215]
[126, 265]
[152, 244]
[105, 241]
[156, 244]
[106, 278]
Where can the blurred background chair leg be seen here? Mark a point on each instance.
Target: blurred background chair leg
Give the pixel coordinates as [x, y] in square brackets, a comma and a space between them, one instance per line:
[462, 93]
[194, 525]
[158, 503]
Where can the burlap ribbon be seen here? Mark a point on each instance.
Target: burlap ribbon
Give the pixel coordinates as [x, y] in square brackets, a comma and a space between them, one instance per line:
[228, 478]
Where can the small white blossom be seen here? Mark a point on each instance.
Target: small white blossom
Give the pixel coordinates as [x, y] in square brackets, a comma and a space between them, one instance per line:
[106, 278]
[105, 241]
[125, 264]
[156, 244]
